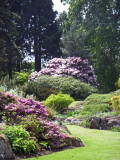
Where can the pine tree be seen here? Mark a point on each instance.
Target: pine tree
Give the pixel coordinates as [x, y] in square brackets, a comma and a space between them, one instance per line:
[8, 48]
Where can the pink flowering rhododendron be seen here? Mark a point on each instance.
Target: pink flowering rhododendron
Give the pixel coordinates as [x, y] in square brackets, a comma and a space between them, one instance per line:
[52, 133]
[10, 104]
[71, 66]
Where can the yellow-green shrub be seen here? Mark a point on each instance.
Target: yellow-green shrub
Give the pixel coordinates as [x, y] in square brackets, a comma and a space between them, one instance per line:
[117, 84]
[116, 103]
[59, 102]
[21, 78]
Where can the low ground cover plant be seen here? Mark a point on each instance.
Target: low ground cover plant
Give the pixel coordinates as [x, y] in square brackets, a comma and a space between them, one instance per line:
[67, 85]
[20, 140]
[59, 102]
[98, 104]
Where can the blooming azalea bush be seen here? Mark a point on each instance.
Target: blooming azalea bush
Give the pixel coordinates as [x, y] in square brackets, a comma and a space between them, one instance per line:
[12, 106]
[45, 131]
[71, 66]
[31, 115]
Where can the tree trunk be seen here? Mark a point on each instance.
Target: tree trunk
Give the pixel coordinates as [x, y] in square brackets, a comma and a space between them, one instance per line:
[10, 68]
[18, 66]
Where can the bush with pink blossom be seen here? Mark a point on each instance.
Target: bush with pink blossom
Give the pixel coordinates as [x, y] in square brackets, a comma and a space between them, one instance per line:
[44, 131]
[11, 106]
[31, 115]
[71, 66]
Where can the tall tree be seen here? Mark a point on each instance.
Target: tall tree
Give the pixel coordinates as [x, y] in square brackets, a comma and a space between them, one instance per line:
[22, 38]
[8, 48]
[37, 29]
[40, 18]
[102, 22]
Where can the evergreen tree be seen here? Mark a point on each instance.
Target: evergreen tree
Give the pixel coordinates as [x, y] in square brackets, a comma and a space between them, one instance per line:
[8, 48]
[40, 18]
[38, 32]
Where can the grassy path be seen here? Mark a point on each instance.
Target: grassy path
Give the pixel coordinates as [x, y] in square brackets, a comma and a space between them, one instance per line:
[99, 145]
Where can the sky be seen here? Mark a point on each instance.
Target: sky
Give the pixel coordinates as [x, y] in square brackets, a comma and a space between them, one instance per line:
[59, 6]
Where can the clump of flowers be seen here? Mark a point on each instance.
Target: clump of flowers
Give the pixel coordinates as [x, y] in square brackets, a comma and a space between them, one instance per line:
[31, 115]
[45, 131]
[11, 105]
[52, 134]
[71, 66]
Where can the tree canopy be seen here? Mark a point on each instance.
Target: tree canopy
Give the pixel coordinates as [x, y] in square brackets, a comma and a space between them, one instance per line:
[35, 32]
[101, 21]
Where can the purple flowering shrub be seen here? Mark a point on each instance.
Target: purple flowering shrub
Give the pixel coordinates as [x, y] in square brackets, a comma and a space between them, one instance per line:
[54, 134]
[12, 106]
[31, 115]
[71, 66]
[45, 131]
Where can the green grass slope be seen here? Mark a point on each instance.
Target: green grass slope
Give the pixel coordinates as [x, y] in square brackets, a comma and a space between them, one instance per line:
[98, 103]
[99, 145]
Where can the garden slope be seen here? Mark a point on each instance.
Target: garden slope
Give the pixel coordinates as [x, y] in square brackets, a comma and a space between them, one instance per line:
[100, 145]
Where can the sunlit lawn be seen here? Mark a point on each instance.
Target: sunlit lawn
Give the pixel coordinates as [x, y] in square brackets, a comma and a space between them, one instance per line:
[99, 145]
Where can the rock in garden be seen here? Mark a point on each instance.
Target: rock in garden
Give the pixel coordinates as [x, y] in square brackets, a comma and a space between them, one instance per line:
[64, 128]
[113, 121]
[72, 120]
[74, 141]
[98, 123]
[6, 152]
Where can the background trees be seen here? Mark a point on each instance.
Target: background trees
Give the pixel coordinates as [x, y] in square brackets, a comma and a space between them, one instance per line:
[90, 30]
[35, 32]
[8, 49]
[101, 21]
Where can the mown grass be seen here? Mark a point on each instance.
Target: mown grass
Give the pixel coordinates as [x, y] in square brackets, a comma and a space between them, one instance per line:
[99, 145]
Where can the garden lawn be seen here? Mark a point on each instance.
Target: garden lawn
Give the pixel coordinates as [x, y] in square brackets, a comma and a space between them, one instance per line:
[99, 145]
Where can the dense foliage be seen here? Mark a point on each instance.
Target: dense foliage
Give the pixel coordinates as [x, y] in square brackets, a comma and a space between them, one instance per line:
[12, 107]
[116, 103]
[100, 22]
[99, 105]
[67, 85]
[9, 52]
[117, 84]
[31, 115]
[19, 139]
[71, 66]
[27, 29]
[59, 102]
[21, 78]
[45, 131]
